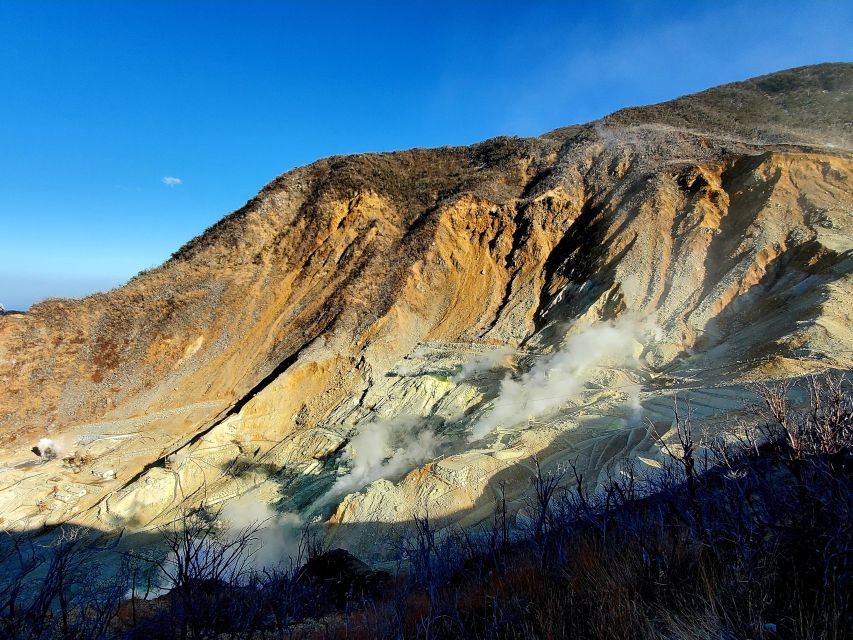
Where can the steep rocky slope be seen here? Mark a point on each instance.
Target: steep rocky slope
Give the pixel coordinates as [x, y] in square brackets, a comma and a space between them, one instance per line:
[375, 335]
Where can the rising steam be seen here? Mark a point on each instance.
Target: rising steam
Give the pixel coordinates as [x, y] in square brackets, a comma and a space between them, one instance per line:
[384, 449]
[560, 376]
[485, 361]
[49, 449]
[280, 534]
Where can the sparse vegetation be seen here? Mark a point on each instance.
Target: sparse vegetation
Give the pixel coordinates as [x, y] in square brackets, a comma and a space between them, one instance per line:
[756, 544]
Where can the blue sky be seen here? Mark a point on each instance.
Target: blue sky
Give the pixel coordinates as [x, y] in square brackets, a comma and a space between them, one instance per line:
[126, 128]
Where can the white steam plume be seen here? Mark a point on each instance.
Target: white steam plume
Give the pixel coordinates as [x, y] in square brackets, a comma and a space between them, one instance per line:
[485, 361]
[560, 376]
[276, 543]
[51, 448]
[383, 449]
[280, 535]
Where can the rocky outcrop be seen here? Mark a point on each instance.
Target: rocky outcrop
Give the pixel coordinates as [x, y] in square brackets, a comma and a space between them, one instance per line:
[355, 291]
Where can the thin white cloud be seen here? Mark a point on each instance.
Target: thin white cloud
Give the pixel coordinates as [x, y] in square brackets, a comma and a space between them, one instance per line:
[172, 181]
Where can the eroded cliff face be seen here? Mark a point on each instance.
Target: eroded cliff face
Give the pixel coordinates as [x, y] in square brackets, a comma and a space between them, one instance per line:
[391, 295]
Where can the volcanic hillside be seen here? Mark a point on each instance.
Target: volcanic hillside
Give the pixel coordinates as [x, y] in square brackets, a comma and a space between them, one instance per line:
[377, 334]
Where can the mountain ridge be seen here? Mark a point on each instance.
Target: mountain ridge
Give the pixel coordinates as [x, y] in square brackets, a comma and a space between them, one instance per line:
[836, 72]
